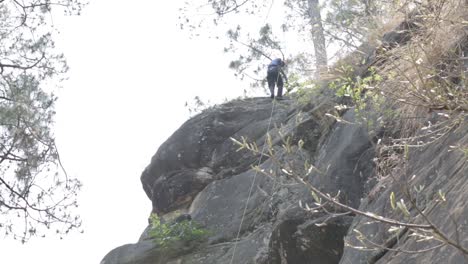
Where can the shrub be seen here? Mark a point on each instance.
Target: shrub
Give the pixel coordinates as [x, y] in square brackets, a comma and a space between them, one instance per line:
[166, 234]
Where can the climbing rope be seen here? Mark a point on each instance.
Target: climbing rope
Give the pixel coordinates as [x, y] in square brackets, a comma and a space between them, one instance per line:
[253, 181]
[258, 163]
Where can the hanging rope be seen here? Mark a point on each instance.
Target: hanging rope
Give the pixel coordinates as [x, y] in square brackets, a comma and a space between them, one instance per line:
[253, 183]
[258, 163]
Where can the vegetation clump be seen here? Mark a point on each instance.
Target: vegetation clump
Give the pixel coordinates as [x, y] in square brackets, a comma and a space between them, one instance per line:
[168, 235]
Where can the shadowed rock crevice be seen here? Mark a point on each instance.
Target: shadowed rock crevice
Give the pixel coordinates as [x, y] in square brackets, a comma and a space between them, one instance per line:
[308, 242]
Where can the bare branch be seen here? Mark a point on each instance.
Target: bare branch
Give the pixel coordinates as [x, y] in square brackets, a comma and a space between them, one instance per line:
[252, 48]
[2, 66]
[228, 10]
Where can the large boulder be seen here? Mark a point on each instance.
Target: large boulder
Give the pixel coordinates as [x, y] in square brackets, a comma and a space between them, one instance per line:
[201, 151]
[252, 217]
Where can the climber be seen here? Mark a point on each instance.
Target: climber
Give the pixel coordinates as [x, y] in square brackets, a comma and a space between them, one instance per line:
[275, 70]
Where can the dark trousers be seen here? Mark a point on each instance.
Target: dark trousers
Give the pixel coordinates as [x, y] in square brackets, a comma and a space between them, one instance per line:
[274, 78]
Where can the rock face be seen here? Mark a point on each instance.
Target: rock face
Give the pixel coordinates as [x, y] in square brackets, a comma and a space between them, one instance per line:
[251, 217]
[432, 168]
[255, 217]
[255, 212]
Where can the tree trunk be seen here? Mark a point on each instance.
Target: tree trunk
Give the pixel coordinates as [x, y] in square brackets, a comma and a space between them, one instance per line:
[318, 37]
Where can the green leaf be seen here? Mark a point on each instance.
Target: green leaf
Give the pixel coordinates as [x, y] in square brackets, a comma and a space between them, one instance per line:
[316, 197]
[406, 152]
[392, 201]
[441, 195]
[269, 141]
[401, 205]
[236, 141]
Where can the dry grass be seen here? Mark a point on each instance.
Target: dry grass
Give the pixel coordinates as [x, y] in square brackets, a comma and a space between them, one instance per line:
[423, 92]
[426, 74]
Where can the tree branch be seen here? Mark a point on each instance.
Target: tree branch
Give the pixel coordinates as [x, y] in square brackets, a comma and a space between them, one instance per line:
[10, 207]
[252, 48]
[229, 9]
[5, 98]
[2, 66]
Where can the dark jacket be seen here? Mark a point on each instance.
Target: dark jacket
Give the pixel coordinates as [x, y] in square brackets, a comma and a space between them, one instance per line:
[275, 67]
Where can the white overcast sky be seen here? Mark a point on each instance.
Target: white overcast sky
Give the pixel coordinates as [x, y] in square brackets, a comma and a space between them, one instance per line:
[131, 73]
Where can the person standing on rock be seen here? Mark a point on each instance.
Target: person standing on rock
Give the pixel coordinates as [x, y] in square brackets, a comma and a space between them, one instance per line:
[274, 72]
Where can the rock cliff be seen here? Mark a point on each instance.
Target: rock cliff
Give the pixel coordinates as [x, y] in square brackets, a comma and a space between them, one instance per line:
[255, 212]
[198, 171]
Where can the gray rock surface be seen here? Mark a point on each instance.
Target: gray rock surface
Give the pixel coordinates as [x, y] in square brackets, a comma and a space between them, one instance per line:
[435, 167]
[201, 150]
[254, 218]
[259, 218]
[344, 161]
[198, 171]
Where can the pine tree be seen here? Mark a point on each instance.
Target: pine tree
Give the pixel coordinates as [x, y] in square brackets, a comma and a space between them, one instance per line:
[35, 192]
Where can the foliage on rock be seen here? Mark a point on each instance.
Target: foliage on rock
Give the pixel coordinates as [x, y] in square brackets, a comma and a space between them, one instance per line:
[166, 235]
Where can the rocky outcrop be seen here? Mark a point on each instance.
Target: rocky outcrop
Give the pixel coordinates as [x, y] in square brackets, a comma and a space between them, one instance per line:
[201, 151]
[254, 212]
[253, 218]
